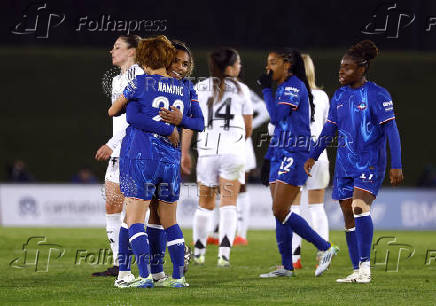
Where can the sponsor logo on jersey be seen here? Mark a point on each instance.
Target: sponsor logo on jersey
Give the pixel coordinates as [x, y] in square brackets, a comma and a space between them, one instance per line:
[291, 91]
[388, 105]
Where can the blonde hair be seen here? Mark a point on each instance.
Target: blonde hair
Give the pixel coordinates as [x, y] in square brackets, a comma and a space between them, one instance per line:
[310, 70]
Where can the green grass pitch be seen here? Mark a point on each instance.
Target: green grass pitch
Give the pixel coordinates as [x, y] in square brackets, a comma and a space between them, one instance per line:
[68, 283]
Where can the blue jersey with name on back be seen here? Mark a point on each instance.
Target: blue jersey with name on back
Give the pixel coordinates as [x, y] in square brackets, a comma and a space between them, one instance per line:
[359, 115]
[148, 94]
[292, 132]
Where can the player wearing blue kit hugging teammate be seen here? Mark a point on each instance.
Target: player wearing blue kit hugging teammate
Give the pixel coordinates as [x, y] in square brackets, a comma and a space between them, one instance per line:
[150, 155]
[180, 68]
[363, 115]
[290, 111]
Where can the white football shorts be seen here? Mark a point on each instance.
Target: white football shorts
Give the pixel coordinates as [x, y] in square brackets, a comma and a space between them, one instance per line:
[113, 171]
[228, 166]
[320, 175]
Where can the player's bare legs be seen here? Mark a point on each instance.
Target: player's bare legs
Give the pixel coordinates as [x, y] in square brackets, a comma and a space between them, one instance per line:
[203, 220]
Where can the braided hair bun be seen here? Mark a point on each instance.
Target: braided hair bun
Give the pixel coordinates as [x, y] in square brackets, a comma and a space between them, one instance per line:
[363, 52]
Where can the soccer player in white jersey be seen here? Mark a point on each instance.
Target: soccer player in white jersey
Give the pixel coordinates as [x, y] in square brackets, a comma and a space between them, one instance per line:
[123, 56]
[228, 112]
[260, 116]
[316, 184]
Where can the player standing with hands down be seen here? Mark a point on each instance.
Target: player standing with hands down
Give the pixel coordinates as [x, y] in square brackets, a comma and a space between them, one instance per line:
[289, 112]
[362, 112]
[226, 104]
[123, 56]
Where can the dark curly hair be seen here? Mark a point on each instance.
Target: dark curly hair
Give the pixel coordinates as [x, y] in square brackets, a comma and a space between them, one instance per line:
[363, 53]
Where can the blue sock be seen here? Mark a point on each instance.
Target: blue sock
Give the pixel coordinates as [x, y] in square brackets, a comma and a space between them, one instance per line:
[139, 242]
[158, 245]
[124, 251]
[176, 248]
[353, 249]
[364, 233]
[303, 229]
[284, 243]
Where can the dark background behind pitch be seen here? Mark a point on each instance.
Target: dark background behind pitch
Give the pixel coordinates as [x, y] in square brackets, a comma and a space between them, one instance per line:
[53, 109]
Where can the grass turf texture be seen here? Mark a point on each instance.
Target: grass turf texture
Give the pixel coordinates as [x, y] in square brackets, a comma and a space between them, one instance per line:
[68, 283]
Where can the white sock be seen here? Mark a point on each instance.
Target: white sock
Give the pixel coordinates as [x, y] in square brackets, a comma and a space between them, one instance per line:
[228, 221]
[201, 226]
[214, 233]
[320, 222]
[296, 240]
[243, 209]
[113, 225]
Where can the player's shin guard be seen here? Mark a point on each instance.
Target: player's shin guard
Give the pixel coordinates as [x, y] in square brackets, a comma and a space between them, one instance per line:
[353, 250]
[176, 248]
[202, 222]
[243, 213]
[284, 244]
[296, 239]
[228, 221]
[123, 250]
[139, 242]
[157, 240]
[320, 222]
[113, 224]
[364, 233]
[302, 228]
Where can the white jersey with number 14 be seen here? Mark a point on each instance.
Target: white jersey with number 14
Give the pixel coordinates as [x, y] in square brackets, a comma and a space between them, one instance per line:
[224, 131]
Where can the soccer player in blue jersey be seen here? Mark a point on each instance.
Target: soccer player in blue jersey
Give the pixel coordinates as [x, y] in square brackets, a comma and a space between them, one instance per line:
[290, 110]
[180, 68]
[150, 162]
[363, 115]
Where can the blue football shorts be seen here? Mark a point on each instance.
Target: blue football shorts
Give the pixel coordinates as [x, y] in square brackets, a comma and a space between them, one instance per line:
[143, 179]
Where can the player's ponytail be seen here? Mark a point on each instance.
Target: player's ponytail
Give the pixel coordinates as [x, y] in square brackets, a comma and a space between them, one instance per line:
[297, 69]
[363, 53]
[219, 60]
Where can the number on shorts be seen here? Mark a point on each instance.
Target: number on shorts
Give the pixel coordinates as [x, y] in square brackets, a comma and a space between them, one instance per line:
[286, 164]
